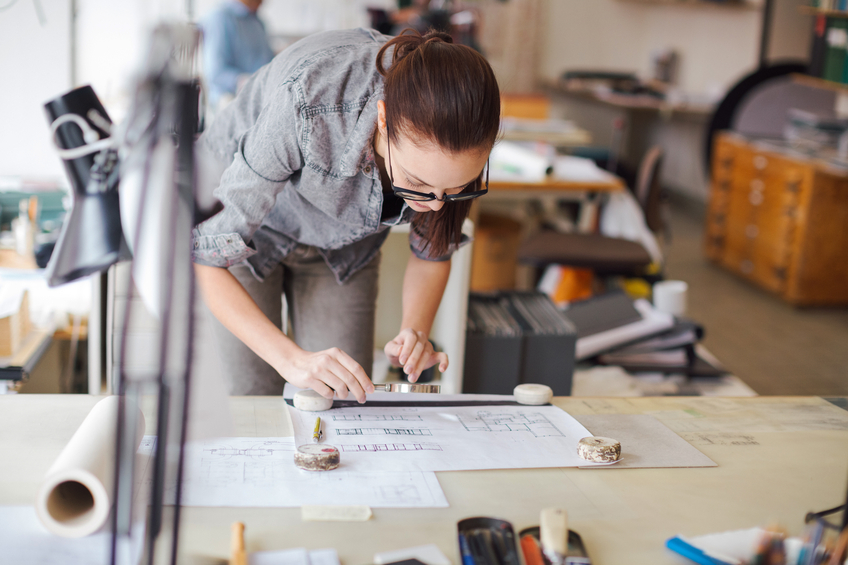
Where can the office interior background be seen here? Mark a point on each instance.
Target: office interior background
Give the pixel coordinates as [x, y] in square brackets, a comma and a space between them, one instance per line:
[776, 346]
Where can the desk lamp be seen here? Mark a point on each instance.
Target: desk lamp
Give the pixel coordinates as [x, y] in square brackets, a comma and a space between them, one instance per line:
[152, 152]
[91, 239]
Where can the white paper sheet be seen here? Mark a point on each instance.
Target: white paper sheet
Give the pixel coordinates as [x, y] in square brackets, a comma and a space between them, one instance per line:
[260, 472]
[24, 539]
[298, 556]
[447, 438]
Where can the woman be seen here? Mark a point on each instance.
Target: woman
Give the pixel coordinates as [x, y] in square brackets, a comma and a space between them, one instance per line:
[340, 137]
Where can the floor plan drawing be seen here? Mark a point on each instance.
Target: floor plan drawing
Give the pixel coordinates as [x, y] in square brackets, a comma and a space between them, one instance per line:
[258, 450]
[250, 471]
[392, 447]
[383, 432]
[424, 437]
[534, 423]
[376, 418]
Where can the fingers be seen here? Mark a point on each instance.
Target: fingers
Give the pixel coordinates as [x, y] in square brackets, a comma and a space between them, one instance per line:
[417, 360]
[354, 376]
[392, 351]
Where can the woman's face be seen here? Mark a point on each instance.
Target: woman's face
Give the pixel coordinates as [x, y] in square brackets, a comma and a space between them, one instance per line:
[427, 168]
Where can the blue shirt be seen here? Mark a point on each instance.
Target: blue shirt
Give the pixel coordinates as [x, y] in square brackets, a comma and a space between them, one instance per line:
[297, 144]
[234, 43]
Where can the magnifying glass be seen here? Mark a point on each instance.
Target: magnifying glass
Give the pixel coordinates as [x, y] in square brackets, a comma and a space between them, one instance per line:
[408, 387]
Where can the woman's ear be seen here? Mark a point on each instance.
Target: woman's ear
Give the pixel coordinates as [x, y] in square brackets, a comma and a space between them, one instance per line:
[381, 118]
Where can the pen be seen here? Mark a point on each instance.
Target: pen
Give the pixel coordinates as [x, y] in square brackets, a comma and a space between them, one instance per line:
[465, 551]
[317, 433]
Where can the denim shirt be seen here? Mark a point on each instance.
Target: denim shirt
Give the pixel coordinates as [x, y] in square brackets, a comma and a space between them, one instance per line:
[299, 142]
[234, 43]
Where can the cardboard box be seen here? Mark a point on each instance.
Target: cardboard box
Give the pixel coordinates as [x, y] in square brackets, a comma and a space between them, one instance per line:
[495, 259]
[14, 320]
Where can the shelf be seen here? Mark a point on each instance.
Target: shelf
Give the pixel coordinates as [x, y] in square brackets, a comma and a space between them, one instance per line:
[735, 4]
[810, 11]
[817, 82]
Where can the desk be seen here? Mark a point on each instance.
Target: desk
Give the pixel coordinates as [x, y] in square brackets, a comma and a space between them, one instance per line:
[763, 446]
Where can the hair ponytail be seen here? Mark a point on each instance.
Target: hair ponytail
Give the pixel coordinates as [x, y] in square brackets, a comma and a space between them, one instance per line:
[443, 93]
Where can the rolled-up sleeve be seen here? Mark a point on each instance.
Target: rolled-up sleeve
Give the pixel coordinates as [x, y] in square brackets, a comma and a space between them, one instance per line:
[268, 154]
[419, 246]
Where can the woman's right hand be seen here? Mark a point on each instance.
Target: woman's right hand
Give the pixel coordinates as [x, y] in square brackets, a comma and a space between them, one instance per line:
[327, 372]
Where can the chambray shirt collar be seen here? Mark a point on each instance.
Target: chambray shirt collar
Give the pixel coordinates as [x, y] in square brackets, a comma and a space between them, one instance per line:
[358, 152]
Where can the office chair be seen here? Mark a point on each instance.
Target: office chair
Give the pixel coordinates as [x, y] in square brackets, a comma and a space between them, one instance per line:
[605, 256]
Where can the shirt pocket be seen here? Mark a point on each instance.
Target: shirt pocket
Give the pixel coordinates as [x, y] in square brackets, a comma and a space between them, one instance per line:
[221, 250]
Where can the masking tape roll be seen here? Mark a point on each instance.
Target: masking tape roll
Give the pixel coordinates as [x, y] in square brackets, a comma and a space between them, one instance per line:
[533, 394]
[314, 457]
[599, 449]
[311, 401]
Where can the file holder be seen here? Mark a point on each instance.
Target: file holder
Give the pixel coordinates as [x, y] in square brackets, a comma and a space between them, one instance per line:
[514, 338]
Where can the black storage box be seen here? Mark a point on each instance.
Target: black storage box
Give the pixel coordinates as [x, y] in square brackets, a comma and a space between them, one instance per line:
[514, 338]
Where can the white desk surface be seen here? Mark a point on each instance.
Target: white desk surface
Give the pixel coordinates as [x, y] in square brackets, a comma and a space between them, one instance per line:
[778, 458]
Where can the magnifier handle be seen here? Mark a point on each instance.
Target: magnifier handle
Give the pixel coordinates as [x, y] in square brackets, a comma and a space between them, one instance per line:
[383, 387]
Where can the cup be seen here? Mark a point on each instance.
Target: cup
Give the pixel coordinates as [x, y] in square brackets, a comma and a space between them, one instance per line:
[670, 297]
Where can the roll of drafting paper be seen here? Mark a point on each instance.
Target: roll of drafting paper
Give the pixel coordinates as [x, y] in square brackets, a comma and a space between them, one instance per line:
[510, 160]
[76, 496]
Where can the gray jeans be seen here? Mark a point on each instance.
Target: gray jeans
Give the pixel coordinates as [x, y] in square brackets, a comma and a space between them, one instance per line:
[322, 313]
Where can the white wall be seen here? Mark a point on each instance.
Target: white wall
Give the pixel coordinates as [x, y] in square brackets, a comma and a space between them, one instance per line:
[716, 44]
[35, 63]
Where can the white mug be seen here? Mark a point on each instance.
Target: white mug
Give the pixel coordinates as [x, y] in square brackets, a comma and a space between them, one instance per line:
[670, 297]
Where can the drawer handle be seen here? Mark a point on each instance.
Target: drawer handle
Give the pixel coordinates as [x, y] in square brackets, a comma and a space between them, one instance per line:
[760, 162]
[752, 231]
[756, 198]
[757, 184]
[746, 266]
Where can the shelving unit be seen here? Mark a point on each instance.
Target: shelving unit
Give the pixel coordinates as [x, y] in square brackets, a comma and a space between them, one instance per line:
[817, 82]
[735, 4]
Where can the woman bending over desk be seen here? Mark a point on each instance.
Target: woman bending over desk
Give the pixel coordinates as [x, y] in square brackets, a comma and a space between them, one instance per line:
[342, 136]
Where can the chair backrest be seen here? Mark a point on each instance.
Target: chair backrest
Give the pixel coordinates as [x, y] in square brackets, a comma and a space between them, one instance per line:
[648, 189]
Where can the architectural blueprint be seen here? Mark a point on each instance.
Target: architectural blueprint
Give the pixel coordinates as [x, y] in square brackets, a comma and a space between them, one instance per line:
[448, 438]
[256, 471]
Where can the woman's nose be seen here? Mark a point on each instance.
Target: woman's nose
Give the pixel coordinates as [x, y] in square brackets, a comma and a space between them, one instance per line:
[435, 205]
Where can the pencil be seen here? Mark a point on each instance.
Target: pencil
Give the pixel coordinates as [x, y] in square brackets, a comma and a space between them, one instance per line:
[238, 556]
[316, 433]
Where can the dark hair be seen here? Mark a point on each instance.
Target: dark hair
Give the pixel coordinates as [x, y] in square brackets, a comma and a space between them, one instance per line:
[446, 94]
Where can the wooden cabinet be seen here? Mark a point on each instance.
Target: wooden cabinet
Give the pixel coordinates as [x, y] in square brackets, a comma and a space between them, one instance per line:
[780, 221]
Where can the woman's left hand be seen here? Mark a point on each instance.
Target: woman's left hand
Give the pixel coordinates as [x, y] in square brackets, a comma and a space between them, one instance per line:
[413, 351]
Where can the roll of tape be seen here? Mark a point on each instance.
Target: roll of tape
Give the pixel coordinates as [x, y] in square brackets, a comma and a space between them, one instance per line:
[533, 394]
[311, 401]
[599, 449]
[312, 457]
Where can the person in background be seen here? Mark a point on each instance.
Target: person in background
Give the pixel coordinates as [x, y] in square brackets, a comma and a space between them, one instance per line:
[235, 45]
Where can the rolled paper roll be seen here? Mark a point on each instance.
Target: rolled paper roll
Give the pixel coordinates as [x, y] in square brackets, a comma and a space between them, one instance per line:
[599, 449]
[311, 401]
[313, 457]
[76, 496]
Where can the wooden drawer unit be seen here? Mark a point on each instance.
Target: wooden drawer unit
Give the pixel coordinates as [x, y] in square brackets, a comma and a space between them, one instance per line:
[779, 221]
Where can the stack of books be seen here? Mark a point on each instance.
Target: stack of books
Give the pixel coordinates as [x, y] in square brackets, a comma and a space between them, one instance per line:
[830, 41]
[612, 329]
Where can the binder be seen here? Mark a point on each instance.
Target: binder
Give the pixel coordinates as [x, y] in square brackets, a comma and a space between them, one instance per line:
[818, 47]
[836, 39]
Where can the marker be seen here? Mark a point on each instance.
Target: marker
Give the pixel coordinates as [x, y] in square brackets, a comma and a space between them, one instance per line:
[465, 551]
[317, 433]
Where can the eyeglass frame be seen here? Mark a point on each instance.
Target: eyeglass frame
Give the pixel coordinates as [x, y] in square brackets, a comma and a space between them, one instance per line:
[430, 196]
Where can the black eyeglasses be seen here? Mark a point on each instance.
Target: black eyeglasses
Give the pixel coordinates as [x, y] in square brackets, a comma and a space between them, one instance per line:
[429, 196]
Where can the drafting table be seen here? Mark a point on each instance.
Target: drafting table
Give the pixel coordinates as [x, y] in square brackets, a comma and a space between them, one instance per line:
[778, 458]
